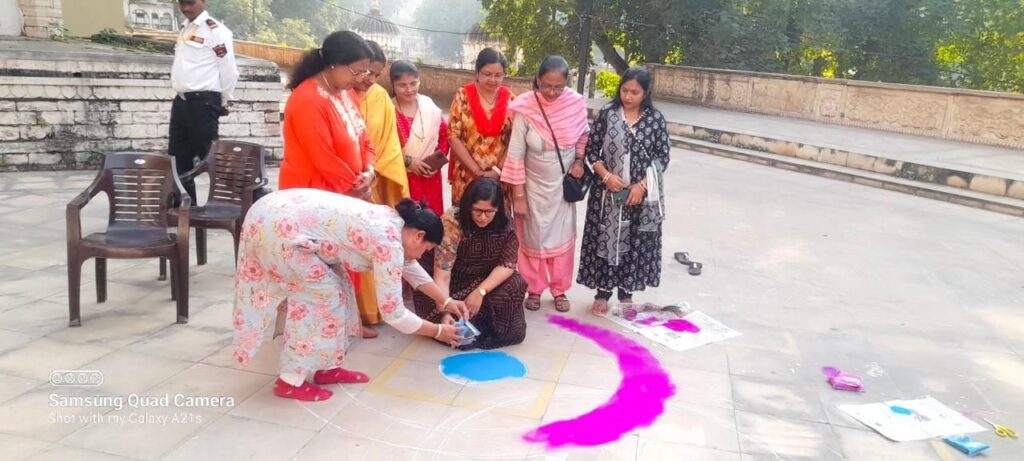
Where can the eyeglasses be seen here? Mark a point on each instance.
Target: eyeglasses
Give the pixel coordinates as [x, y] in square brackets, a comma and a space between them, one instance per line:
[557, 89]
[364, 73]
[484, 213]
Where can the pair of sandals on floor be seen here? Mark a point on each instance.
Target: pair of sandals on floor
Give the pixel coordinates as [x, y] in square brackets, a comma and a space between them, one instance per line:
[533, 302]
[600, 306]
[312, 392]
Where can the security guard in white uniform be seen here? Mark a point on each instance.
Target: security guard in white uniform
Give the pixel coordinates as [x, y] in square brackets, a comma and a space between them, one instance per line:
[204, 76]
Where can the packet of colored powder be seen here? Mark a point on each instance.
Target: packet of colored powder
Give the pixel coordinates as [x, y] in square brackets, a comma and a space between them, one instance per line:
[843, 381]
[469, 332]
[966, 444]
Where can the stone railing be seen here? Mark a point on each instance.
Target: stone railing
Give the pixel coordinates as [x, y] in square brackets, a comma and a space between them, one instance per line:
[980, 117]
[64, 110]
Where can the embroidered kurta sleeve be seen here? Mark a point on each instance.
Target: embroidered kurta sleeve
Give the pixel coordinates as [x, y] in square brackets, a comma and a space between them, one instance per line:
[595, 142]
[456, 115]
[446, 252]
[388, 267]
[369, 153]
[514, 171]
[312, 126]
[415, 274]
[581, 145]
[442, 137]
[510, 251]
[662, 145]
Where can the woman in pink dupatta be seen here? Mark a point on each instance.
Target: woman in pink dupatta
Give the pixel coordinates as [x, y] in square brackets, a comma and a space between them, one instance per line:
[551, 115]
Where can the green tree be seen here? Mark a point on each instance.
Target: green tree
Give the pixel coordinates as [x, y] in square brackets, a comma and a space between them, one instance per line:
[985, 49]
[323, 16]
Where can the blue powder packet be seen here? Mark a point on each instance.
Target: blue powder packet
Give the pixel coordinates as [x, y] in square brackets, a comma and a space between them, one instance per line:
[469, 332]
[965, 444]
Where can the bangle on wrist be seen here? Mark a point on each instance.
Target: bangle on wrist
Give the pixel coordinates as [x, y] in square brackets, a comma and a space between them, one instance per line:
[606, 176]
[446, 302]
[438, 334]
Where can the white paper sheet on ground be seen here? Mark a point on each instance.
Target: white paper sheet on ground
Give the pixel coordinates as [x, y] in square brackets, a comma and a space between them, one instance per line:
[927, 418]
[650, 325]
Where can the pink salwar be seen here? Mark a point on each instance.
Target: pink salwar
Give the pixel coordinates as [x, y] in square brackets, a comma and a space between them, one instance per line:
[552, 272]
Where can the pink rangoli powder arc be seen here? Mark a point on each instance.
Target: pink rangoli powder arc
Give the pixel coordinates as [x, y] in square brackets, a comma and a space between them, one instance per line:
[637, 403]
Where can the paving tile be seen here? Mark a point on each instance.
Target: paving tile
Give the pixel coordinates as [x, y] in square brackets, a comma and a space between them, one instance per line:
[240, 438]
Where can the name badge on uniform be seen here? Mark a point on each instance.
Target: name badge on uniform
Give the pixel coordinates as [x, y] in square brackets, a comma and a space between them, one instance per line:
[197, 39]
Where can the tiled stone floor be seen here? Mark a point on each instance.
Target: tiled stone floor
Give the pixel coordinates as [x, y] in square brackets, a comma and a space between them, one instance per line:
[921, 297]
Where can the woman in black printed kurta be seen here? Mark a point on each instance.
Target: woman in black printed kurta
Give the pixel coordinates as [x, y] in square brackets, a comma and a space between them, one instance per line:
[629, 151]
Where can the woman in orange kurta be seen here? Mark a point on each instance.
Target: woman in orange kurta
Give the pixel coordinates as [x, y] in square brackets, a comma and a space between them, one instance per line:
[479, 125]
[326, 145]
[325, 142]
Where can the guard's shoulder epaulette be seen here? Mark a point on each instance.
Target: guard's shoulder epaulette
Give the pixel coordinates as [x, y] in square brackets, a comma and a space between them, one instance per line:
[211, 23]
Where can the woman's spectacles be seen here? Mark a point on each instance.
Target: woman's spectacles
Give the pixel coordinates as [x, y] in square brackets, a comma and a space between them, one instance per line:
[362, 73]
[484, 213]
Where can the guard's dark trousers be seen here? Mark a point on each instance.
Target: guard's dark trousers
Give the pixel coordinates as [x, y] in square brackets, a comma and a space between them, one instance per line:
[194, 125]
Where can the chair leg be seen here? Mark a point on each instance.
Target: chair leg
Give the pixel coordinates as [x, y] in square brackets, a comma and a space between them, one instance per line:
[174, 280]
[101, 280]
[182, 301]
[163, 269]
[236, 233]
[74, 291]
[200, 246]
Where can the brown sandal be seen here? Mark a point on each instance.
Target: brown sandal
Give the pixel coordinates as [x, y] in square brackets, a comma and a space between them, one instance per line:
[599, 308]
[562, 303]
[532, 302]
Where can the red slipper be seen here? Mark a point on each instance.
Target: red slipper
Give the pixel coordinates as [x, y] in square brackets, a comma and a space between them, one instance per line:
[339, 376]
[306, 391]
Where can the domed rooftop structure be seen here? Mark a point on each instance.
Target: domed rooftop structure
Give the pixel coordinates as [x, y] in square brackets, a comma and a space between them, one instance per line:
[374, 26]
[375, 23]
[477, 34]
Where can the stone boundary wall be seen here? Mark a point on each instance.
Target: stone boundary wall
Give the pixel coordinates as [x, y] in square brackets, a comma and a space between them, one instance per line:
[981, 117]
[66, 110]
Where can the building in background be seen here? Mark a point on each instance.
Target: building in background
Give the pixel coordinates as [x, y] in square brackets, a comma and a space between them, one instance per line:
[416, 47]
[153, 15]
[376, 27]
[475, 41]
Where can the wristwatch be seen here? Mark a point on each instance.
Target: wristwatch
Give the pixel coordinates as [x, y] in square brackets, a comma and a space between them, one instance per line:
[483, 292]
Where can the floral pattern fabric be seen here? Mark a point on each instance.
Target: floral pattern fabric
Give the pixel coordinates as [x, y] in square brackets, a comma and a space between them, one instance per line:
[487, 151]
[296, 246]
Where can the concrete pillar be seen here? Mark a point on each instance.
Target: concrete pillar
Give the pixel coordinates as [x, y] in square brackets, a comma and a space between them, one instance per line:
[42, 18]
[10, 18]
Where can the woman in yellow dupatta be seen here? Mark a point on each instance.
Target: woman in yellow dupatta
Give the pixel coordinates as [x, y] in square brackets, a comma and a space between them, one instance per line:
[392, 184]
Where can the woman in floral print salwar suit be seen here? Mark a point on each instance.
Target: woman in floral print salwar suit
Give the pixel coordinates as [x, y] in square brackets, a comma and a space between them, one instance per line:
[296, 247]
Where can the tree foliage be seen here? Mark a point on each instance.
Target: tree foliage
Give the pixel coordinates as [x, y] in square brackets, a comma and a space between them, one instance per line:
[295, 23]
[964, 43]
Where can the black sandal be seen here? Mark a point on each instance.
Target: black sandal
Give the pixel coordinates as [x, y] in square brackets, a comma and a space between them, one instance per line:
[683, 258]
[695, 268]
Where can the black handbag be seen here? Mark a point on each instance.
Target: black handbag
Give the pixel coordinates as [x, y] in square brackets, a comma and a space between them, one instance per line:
[573, 189]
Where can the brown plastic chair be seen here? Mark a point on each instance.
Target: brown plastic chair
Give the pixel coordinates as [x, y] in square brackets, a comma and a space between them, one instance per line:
[237, 169]
[140, 188]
